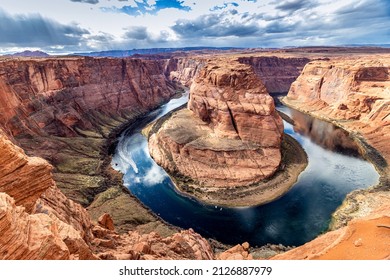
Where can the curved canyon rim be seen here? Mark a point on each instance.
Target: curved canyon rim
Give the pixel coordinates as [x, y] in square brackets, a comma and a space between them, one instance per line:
[47, 111]
[334, 170]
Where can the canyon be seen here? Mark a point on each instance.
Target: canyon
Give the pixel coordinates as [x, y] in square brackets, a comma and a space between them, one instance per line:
[229, 136]
[60, 117]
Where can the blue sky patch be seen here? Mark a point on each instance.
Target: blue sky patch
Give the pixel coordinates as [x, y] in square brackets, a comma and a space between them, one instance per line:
[143, 7]
[224, 6]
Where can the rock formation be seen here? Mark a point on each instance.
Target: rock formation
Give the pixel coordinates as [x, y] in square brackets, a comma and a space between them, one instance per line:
[352, 92]
[276, 72]
[60, 96]
[231, 136]
[63, 110]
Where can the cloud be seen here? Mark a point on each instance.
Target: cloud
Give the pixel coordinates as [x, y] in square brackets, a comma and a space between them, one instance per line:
[214, 25]
[294, 5]
[280, 27]
[87, 1]
[140, 35]
[33, 30]
[143, 7]
[224, 6]
[137, 33]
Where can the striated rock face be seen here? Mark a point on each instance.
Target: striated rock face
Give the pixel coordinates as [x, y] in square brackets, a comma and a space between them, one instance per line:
[232, 136]
[37, 221]
[56, 96]
[25, 236]
[230, 98]
[277, 73]
[184, 245]
[22, 177]
[63, 110]
[183, 70]
[353, 92]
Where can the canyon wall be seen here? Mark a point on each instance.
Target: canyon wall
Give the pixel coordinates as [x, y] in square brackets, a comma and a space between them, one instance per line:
[182, 70]
[277, 73]
[60, 96]
[63, 109]
[232, 134]
[353, 93]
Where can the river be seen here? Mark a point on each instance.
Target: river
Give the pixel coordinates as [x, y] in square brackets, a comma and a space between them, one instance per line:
[335, 169]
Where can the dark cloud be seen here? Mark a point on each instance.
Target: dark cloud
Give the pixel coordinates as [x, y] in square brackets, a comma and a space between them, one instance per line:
[139, 35]
[294, 5]
[224, 6]
[87, 1]
[143, 7]
[214, 25]
[280, 27]
[36, 31]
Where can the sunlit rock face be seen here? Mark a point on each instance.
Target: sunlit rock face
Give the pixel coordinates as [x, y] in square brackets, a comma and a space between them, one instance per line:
[231, 134]
[353, 92]
[58, 95]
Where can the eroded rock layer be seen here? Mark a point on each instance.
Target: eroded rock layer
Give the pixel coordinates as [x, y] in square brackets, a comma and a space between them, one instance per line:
[277, 73]
[231, 134]
[59, 96]
[353, 92]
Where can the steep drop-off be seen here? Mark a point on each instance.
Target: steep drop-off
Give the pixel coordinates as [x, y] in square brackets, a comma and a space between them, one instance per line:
[65, 109]
[228, 140]
[277, 73]
[354, 94]
[230, 137]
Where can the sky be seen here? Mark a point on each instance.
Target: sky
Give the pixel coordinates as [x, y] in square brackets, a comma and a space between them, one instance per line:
[66, 26]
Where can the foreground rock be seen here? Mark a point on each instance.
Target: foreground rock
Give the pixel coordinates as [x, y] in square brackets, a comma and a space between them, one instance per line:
[232, 135]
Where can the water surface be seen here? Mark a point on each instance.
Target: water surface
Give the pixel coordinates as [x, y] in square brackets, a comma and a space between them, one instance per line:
[335, 169]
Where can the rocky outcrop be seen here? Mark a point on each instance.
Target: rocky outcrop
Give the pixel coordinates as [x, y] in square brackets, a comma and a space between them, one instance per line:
[231, 136]
[184, 245]
[61, 96]
[22, 177]
[276, 72]
[64, 109]
[182, 70]
[36, 220]
[352, 92]
[238, 252]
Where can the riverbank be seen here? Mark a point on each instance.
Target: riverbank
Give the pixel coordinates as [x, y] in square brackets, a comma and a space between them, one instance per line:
[358, 203]
[294, 161]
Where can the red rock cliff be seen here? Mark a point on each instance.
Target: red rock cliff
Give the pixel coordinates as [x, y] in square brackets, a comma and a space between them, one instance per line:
[232, 136]
[353, 92]
[55, 96]
[277, 73]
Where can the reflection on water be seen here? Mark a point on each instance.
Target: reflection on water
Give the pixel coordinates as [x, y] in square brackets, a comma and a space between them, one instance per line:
[294, 219]
[322, 133]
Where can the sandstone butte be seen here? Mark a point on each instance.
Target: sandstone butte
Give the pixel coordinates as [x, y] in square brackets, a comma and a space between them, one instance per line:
[66, 110]
[232, 134]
